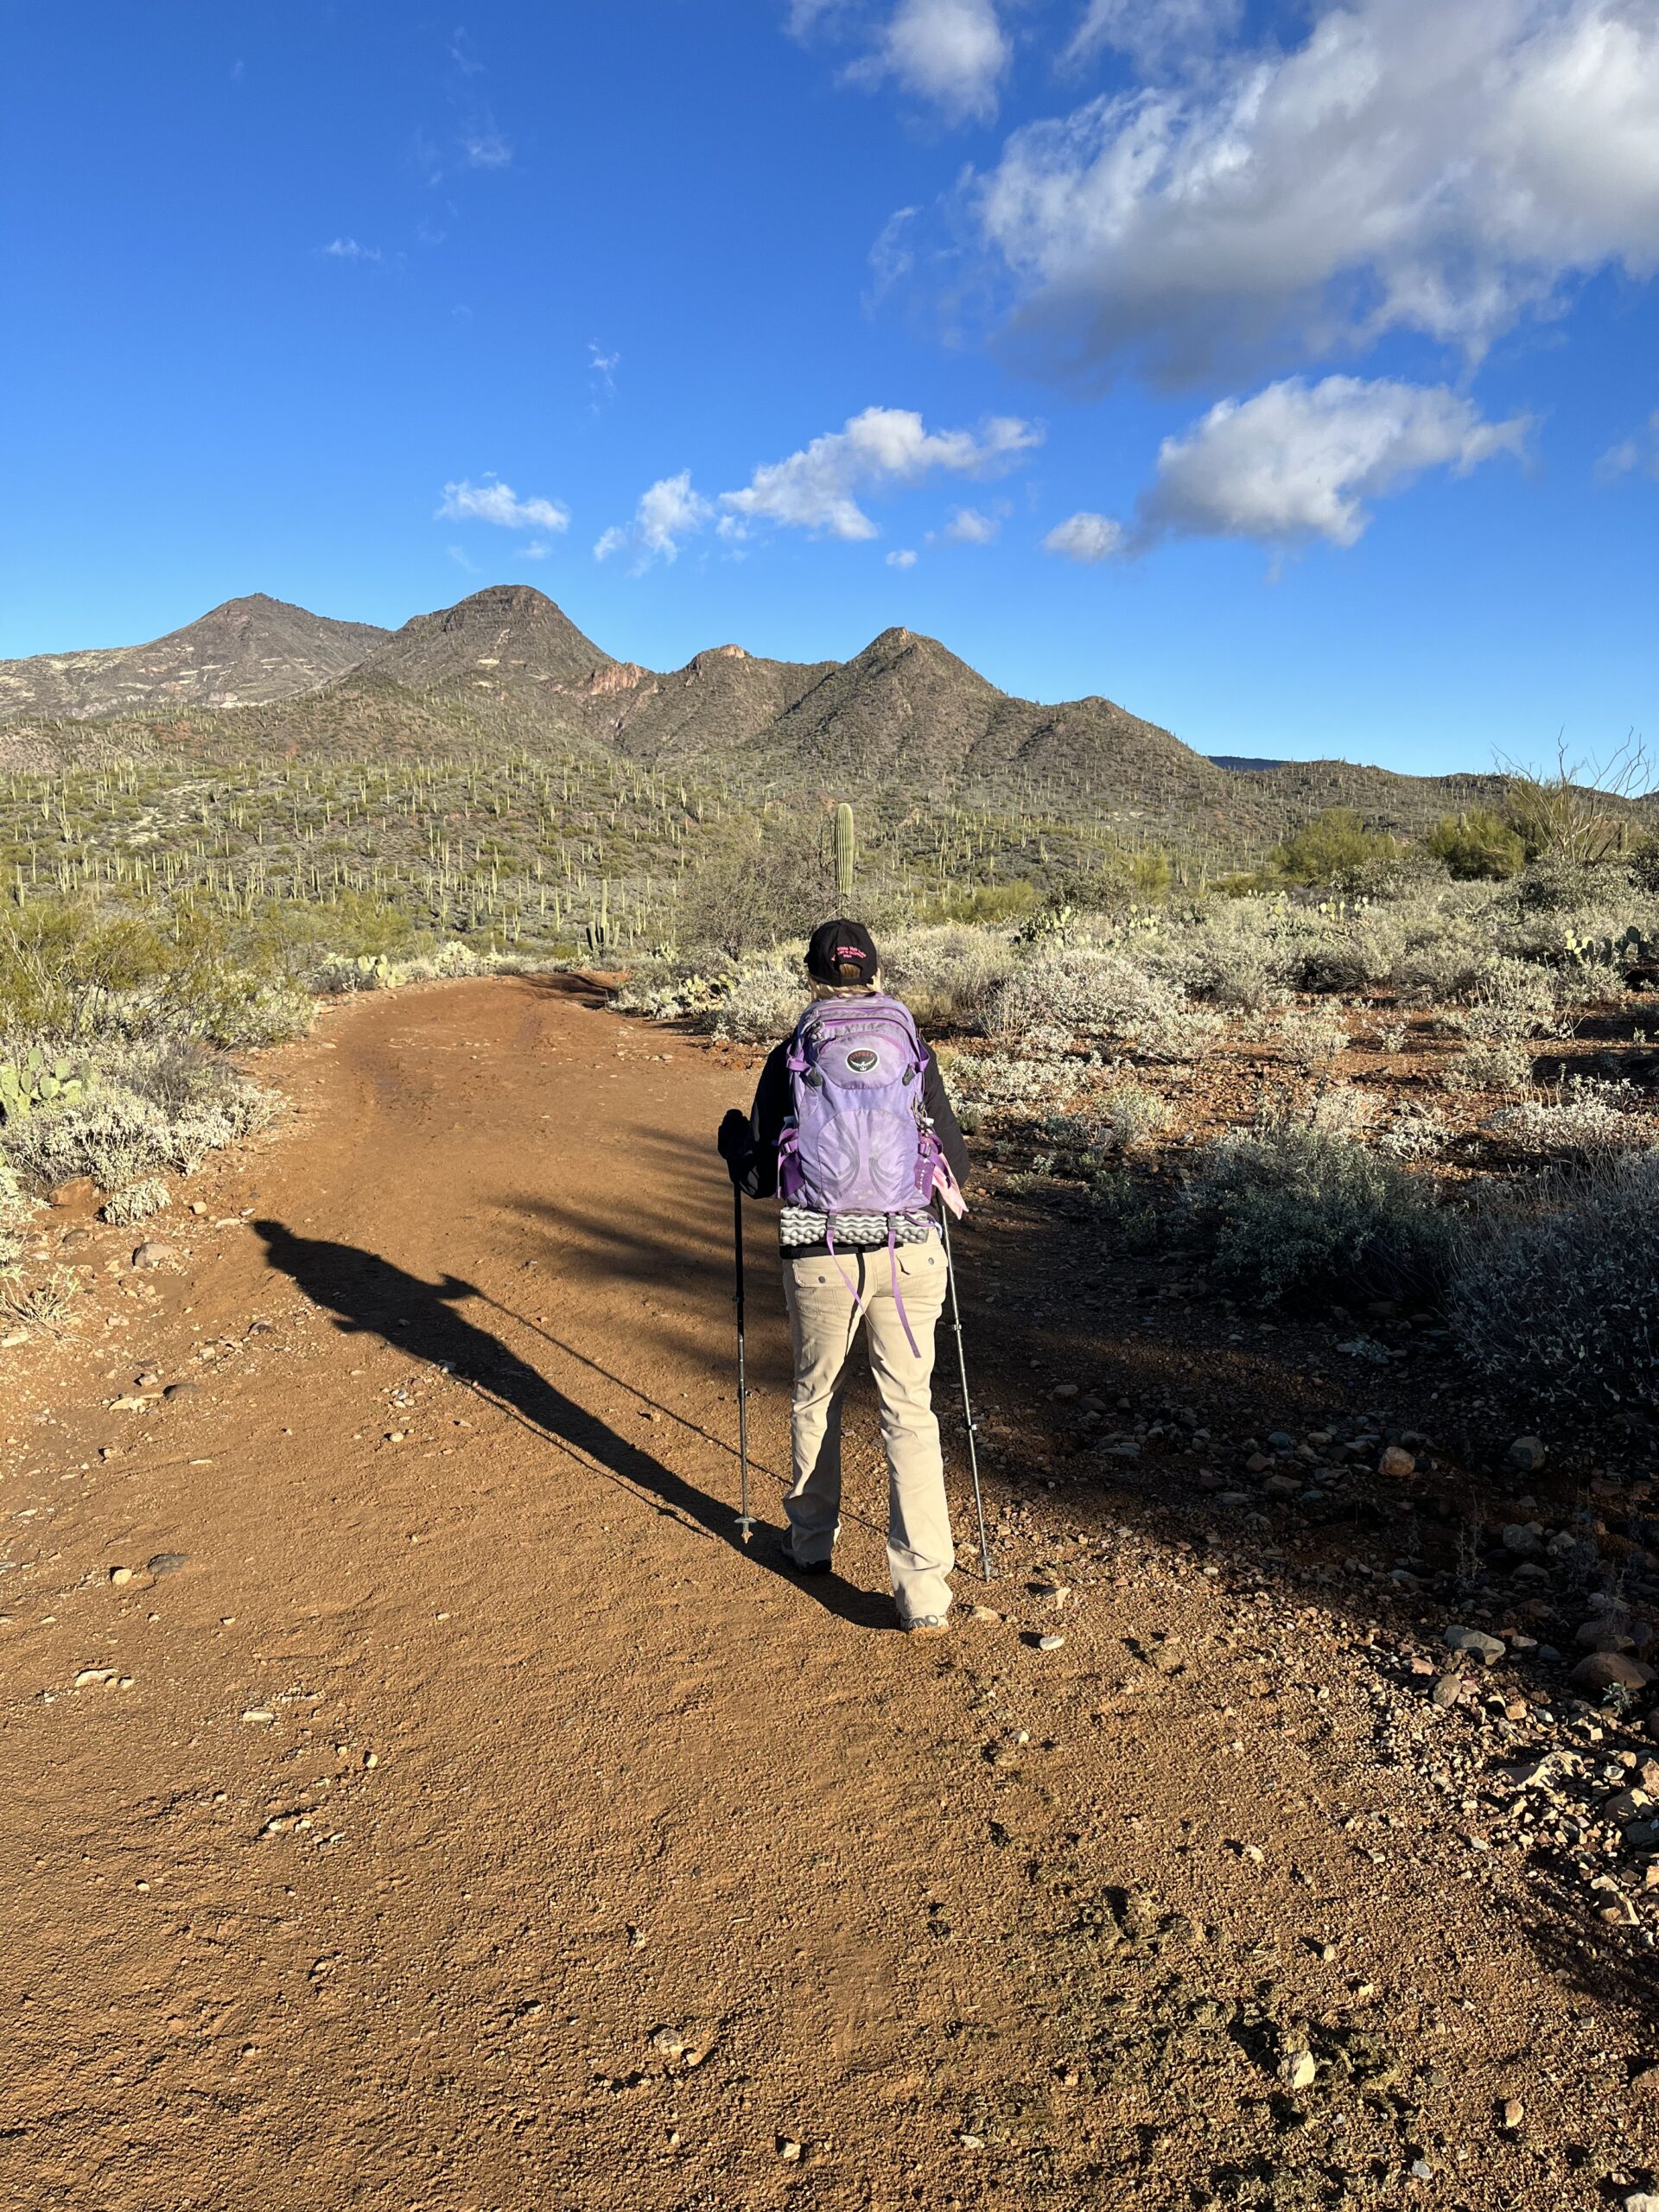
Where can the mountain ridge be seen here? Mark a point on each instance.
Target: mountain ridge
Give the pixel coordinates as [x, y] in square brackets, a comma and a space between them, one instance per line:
[247, 652]
[505, 670]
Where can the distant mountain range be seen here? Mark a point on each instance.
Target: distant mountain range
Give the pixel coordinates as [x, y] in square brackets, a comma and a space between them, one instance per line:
[506, 667]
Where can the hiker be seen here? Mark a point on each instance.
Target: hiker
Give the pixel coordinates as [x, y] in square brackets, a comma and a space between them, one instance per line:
[852, 1129]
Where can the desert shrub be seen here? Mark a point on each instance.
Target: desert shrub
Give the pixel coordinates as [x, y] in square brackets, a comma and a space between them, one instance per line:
[1511, 1000]
[1478, 844]
[135, 1202]
[1438, 968]
[1555, 1301]
[994, 1080]
[1310, 1035]
[765, 880]
[1335, 849]
[14, 1214]
[1136, 1115]
[1097, 992]
[164, 1105]
[988, 904]
[1586, 1123]
[764, 1000]
[946, 975]
[1292, 1210]
[1418, 1134]
[1490, 1066]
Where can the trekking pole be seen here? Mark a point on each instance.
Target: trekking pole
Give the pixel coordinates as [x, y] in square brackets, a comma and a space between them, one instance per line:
[967, 1408]
[745, 1520]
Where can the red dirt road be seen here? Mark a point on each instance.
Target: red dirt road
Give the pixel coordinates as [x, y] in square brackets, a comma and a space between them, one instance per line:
[471, 1825]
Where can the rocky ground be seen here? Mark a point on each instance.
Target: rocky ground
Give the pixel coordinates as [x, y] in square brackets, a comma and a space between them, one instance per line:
[414, 1783]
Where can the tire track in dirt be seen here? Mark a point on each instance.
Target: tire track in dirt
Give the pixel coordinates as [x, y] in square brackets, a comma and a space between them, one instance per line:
[483, 1828]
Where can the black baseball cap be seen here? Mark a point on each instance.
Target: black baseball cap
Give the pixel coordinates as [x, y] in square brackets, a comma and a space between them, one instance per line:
[842, 952]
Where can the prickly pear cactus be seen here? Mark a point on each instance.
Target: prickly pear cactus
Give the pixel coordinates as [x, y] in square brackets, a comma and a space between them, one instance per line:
[27, 1084]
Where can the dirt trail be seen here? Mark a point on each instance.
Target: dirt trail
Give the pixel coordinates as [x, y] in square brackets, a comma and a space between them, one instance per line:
[483, 1830]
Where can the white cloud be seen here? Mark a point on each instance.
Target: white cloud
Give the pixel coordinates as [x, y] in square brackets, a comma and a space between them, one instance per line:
[804, 16]
[1151, 31]
[1299, 460]
[1629, 455]
[953, 52]
[493, 501]
[348, 250]
[1387, 172]
[667, 514]
[486, 148]
[815, 489]
[968, 527]
[539, 551]
[1085, 537]
[902, 557]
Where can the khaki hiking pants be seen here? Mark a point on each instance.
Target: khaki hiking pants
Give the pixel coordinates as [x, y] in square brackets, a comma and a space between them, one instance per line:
[823, 1323]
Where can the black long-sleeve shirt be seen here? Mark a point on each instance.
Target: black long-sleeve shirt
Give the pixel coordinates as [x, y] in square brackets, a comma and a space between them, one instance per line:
[755, 1166]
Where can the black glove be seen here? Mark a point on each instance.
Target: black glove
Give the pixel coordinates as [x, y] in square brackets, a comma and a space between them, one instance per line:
[733, 1141]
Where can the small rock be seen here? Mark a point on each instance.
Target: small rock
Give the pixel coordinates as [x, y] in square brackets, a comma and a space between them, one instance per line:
[982, 1613]
[152, 1253]
[161, 1563]
[1527, 1454]
[259, 1716]
[1514, 2113]
[669, 2041]
[1524, 1543]
[1396, 1461]
[1641, 2200]
[179, 1391]
[1604, 1670]
[90, 1676]
[1050, 1643]
[1061, 1390]
[80, 1191]
[120, 1575]
[1297, 2070]
[1476, 1643]
[1646, 2083]
[1281, 1440]
[1447, 1691]
[790, 2149]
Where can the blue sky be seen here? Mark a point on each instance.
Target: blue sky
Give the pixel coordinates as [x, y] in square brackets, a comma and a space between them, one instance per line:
[1289, 375]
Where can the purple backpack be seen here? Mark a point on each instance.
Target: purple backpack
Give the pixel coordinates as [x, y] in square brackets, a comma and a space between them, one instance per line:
[857, 1142]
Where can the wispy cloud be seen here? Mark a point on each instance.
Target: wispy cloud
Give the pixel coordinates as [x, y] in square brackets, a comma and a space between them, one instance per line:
[461, 55]
[667, 514]
[819, 487]
[902, 557]
[496, 502]
[484, 147]
[458, 554]
[1085, 537]
[969, 526]
[1632, 455]
[602, 377]
[344, 249]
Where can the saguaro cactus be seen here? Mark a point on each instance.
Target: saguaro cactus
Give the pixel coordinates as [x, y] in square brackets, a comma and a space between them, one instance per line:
[846, 852]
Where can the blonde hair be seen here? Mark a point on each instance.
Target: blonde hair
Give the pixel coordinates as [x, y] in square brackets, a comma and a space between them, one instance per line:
[821, 990]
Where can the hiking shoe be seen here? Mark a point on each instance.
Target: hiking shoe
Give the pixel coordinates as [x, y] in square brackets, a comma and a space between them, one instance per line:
[927, 1624]
[802, 1566]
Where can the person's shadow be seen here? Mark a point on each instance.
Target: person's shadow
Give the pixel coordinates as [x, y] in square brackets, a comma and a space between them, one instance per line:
[368, 1295]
